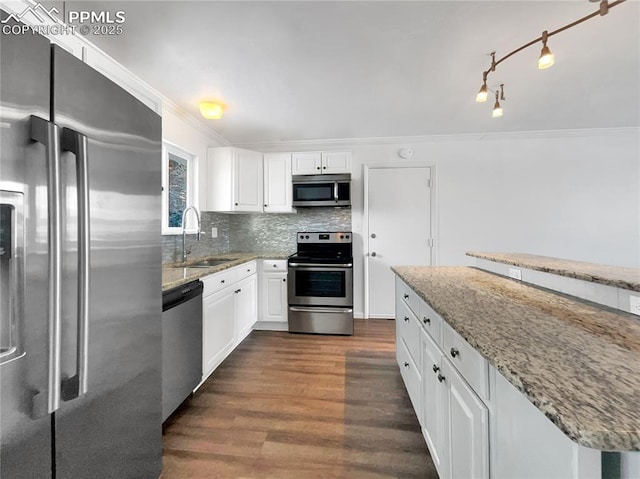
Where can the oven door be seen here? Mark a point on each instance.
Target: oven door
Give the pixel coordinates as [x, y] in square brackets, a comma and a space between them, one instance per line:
[320, 285]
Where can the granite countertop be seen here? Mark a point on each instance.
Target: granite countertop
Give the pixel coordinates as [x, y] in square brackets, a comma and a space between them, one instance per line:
[578, 362]
[177, 274]
[617, 276]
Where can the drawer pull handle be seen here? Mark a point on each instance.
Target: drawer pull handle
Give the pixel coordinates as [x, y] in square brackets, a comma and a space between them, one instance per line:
[435, 368]
[406, 318]
[275, 265]
[222, 280]
[406, 296]
[454, 352]
[406, 365]
[426, 320]
[441, 378]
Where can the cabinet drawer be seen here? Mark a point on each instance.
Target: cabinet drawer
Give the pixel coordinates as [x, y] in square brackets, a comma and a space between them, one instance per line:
[410, 376]
[471, 365]
[431, 322]
[275, 265]
[405, 294]
[219, 281]
[408, 330]
[246, 270]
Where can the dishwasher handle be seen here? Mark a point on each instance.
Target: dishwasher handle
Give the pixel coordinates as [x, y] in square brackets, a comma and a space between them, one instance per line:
[181, 294]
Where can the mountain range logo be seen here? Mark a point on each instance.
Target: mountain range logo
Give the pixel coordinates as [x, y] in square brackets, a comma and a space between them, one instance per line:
[38, 11]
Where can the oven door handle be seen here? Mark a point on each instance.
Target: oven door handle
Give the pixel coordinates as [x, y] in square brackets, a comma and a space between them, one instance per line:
[317, 265]
[320, 310]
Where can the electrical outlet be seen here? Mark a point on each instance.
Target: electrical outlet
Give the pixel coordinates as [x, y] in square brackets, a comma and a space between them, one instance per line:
[634, 304]
[515, 273]
[214, 232]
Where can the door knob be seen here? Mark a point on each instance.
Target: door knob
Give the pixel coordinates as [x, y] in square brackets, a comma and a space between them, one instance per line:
[373, 235]
[374, 254]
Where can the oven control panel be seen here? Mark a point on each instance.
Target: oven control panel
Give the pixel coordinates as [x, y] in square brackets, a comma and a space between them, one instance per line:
[325, 237]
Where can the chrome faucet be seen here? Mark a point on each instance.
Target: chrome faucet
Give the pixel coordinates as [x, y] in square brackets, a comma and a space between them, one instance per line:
[184, 229]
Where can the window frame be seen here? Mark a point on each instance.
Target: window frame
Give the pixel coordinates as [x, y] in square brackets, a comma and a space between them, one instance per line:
[169, 148]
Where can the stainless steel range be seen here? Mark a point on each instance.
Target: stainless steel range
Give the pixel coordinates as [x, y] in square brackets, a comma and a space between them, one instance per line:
[321, 284]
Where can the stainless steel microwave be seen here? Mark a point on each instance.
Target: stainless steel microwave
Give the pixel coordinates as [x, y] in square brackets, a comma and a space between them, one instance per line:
[322, 190]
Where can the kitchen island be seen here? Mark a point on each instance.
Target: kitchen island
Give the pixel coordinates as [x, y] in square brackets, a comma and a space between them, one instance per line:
[576, 361]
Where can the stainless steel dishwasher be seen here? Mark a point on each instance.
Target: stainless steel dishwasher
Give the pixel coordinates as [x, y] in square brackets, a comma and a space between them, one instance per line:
[181, 344]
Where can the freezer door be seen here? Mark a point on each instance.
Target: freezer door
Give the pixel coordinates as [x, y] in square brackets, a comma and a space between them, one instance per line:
[25, 425]
[114, 429]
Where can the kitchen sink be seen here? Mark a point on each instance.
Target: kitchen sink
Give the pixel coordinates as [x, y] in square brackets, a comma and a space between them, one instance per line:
[208, 263]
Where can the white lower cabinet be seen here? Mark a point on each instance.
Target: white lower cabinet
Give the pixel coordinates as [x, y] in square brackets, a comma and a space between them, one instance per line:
[218, 329]
[273, 296]
[246, 306]
[467, 428]
[229, 311]
[433, 403]
[455, 420]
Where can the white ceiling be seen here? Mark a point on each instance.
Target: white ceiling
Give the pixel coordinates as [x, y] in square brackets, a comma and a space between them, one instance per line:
[302, 70]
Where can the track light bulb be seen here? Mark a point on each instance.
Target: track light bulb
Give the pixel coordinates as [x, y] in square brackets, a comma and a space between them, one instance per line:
[546, 58]
[483, 93]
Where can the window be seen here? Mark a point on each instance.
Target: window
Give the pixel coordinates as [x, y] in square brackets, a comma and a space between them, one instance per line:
[179, 188]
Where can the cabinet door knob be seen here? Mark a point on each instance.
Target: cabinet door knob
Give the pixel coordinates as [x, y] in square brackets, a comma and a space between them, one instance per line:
[236, 204]
[441, 378]
[435, 368]
[374, 254]
[406, 318]
[406, 296]
[284, 280]
[406, 364]
[265, 206]
[249, 270]
[317, 167]
[454, 352]
[275, 265]
[222, 280]
[426, 320]
[324, 167]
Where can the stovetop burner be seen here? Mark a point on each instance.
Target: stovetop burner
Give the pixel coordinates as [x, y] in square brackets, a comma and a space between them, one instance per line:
[323, 247]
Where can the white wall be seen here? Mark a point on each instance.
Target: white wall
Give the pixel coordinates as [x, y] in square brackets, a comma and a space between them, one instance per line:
[190, 135]
[572, 194]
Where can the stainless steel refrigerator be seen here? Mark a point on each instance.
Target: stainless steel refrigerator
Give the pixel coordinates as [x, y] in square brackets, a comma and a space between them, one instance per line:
[80, 325]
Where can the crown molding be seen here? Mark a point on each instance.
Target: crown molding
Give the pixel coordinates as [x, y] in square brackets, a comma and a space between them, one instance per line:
[293, 145]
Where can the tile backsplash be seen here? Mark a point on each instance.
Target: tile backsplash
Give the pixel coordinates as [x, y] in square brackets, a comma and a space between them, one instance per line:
[255, 232]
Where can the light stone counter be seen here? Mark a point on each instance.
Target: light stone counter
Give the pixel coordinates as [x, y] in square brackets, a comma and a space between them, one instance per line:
[578, 362]
[177, 274]
[617, 276]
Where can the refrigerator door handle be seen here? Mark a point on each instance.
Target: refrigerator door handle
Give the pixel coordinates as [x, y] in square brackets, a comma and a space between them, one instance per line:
[76, 143]
[47, 133]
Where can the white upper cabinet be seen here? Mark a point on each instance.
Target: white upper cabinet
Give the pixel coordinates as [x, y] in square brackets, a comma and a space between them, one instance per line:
[316, 162]
[235, 180]
[336, 162]
[277, 183]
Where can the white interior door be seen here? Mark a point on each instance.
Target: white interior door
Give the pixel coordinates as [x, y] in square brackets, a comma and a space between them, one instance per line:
[399, 229]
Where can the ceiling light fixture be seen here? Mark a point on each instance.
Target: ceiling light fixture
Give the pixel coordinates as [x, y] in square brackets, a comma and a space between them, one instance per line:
[211, 110]
[546, 57]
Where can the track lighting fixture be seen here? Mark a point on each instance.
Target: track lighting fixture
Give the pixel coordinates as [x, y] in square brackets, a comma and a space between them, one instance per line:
[497, 108]
[483, 93]
[546, 58]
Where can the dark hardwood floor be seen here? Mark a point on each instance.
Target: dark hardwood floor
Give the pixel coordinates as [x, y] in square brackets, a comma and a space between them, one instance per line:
[301, 406]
